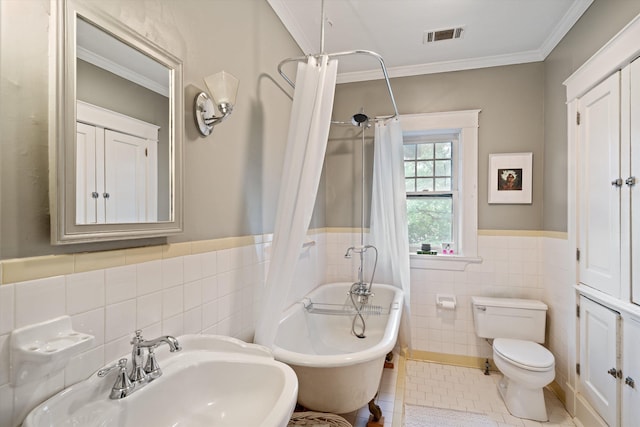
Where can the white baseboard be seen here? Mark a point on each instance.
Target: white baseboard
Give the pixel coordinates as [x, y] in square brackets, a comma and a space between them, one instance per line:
[585, 415]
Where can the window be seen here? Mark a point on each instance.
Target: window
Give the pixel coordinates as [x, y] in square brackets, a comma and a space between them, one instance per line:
[430, 182]
[441, 180]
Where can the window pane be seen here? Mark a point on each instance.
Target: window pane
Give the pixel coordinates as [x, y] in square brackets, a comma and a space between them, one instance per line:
[443, 184]
[425, 169]
[425, 151]
[409, 169]
[443, 150]
[410, 185]
[409, 152]
[443, 168]
[424, 184]
[430, 220]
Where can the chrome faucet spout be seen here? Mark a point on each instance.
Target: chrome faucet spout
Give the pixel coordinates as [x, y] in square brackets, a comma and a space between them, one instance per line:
[348, 254]
[142, 372]
[173, 343]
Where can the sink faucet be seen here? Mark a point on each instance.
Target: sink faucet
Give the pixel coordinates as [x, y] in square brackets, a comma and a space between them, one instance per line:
[141, 373]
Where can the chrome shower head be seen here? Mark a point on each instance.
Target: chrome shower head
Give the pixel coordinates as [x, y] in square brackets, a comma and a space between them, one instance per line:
[360, 119]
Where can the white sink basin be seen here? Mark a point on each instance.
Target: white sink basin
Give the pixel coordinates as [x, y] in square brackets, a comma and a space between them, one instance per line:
[213, 381]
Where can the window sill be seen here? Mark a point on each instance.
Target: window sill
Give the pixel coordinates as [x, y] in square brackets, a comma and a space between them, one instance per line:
[442, 262]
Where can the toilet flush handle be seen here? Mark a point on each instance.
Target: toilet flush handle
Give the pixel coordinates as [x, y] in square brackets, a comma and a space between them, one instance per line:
[481, 308]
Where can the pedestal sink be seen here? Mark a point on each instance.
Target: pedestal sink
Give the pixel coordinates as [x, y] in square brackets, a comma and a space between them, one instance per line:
[213, 381]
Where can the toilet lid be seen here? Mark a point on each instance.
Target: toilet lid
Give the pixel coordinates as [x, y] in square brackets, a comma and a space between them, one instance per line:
[526, 354]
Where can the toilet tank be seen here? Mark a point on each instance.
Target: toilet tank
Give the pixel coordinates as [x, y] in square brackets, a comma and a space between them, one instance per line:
[523, 319]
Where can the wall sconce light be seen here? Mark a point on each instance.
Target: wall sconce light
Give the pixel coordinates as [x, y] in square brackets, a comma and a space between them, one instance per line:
[223, 88]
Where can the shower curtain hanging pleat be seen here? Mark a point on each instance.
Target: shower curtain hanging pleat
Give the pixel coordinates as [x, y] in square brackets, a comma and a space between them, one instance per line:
[388, 223]
[306, 146]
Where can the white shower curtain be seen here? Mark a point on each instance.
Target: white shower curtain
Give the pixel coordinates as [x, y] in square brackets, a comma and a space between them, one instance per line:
[306, 146]
[388, 228]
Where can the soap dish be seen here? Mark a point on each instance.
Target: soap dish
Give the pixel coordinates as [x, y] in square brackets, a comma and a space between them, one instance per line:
[43, 348]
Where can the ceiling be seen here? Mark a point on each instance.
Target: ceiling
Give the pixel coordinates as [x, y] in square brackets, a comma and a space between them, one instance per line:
[106, 51]
[494, 32]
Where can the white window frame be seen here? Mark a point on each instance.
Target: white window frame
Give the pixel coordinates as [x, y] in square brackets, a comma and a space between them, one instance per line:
[465, 124]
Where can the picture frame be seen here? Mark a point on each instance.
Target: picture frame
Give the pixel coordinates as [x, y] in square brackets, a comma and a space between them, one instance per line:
[510, 178]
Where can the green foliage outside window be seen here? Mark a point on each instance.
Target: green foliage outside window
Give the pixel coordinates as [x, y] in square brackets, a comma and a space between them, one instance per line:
[430, 220]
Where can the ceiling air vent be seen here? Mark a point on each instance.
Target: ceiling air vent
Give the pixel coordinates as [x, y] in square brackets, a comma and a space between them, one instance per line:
[440, 35]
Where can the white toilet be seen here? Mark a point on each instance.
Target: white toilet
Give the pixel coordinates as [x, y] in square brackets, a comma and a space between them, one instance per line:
[517, 326]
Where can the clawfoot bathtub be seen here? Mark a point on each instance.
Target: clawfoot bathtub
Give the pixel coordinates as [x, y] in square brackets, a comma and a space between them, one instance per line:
[337, 371]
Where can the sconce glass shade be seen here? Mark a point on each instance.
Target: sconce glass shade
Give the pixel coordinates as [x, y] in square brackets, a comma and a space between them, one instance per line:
[223, 87]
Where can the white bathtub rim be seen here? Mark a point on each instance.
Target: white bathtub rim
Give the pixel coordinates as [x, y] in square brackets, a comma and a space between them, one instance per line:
[382, 347]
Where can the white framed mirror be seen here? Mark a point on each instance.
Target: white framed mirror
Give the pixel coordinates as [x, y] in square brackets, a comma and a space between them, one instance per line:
[115, 130]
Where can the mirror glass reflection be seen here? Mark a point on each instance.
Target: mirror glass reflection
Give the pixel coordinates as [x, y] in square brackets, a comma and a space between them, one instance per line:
[123, 139]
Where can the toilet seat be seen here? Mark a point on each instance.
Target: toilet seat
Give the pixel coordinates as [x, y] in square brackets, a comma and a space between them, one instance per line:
[524, 354]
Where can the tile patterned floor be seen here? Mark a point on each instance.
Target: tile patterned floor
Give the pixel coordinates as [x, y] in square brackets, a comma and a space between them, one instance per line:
[468, 389]
[452, 387]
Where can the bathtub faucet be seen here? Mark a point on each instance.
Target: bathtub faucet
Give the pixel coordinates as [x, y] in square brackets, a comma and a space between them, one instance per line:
[360, 288]
[358, 249]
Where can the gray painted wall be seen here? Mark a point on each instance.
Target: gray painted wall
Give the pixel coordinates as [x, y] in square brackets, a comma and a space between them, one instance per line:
[511, 121]
[231, 177]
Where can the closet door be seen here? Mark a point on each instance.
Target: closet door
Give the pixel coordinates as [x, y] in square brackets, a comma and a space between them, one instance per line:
[599, 187]
[125, 177]
[635, 176]
[599, 361]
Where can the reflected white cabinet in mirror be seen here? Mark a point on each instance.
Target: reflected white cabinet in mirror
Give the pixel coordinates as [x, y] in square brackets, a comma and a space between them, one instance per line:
[116, 99]
[116, 168]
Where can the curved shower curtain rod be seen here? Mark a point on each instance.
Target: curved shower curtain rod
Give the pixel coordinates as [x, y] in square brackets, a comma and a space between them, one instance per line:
[338, 54]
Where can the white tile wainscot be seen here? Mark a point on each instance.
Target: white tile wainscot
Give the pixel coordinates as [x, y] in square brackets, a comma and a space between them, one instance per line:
[215, 292]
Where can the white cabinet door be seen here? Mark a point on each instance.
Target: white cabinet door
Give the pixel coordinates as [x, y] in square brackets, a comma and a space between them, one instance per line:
[631, 372]
[125, 177]
[635, 172]
[599, 200]
[116, 170]
[598, 356]
[89, 174]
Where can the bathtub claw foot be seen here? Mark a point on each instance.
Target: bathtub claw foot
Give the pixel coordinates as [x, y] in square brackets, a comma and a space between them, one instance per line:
[376, 414]
[378, 423]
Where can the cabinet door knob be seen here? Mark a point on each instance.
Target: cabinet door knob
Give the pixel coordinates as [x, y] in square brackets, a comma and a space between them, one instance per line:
[630, 382]
[615, 373]
[105, 195]
[631, 181]
[617, 182]
[94, 194]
